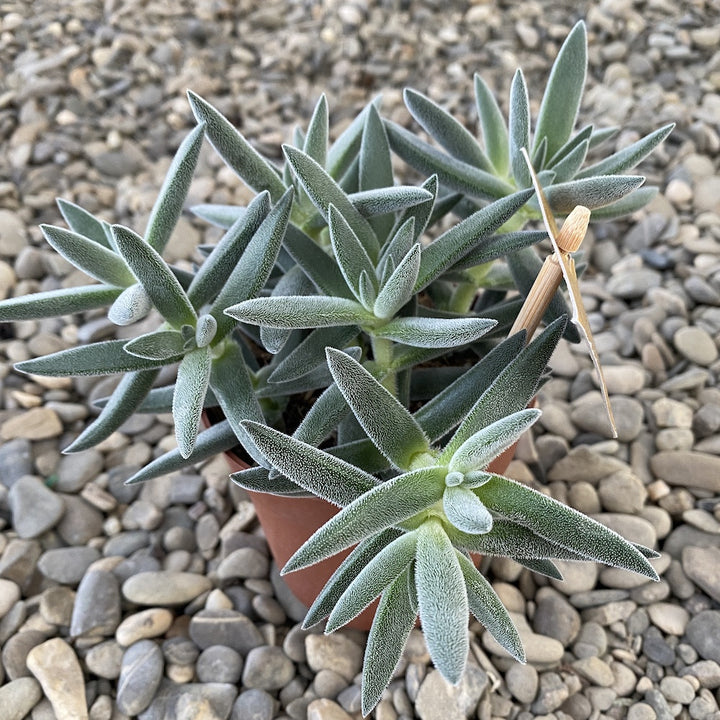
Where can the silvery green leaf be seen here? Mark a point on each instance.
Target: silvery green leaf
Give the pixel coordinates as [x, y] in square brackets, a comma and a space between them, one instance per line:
[82, 222]
[344, 151]
[388, 424]
[540, 154]
[486, 444]
[375, 170]
[222, 216]
[380, 201]
[366, 290]
[217, 439]
[384, 506]
[161, 285]
[446, 130]
[125, 398]
[629, 156]
[512, 389]
[399, 244]
[349, 251]
[168, 206]
[563, 92]
[311, 352]
[593, 192]
[236, 151]
[258, 479]
[316, 139]
[493, 247]
[253, 269]
[443, 601]
[345, 574]
[427, 332]
[519, 128]
[361, 453]
[219, 264]
[494, 129]
[322, 417]
[230, 382]
[371, 581]
[421, 214]
[563, 525]
[524, 265]
[324, 191]
[394, 619]
[459, 240]
[316, 264]
[158, 400]
[101, 358]
[567, 168]
[577, 139]
[541, 567]
[192, 381]
[458, 175]
[52, 303]
[205, 330]
[629, 204]
[165, 345]
[306, 311]
[320, 473]
[487, 607]
[399, 287]
[89, 256]
[601, 135]
[466, 511]
[131, 305]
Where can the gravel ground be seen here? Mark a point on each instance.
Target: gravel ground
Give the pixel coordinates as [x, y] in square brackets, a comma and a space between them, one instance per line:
[160, 601]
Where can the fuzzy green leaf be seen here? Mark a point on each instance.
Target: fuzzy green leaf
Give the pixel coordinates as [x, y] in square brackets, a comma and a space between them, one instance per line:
[192, 381]
[217, 267]
[459, 240]
[580, 137]
[541, 567]
[494, 129]
[324, 191]
[222, 216]
[594, 192]
[253, 269]
[309, 311]
[458, 175]
[345, 574]
[519, 128]
[384, 506]
[316, 264]
[394, 619]
[561, 101]
[344, 151]
[322, 474]
[421, 214]
[102, 358]
[168, 206]
[316, 138]
[123, 402]
[259, 479]
[400, 244]
[82, 222]
[443, 412]
[311, 352]
[375, 169]
[53, 303]
[159, 283]
[427, 332]
[388, 424]
[205, 330]
[629, 156]
[486, 444]
[563, 525]
[399, 287]
[567, 168]
[443, 601]
[132, 305]
[323, 417]
[487, 607]
[92, 258]
[164, 345]
[465, 511]
[493, 247]
[217, 439]
[371, 581]
[636, 200]
[349, 251]
[236, 151]
[446, 130]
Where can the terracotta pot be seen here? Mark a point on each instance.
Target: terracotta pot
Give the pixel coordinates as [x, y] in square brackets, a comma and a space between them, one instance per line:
[288, 522]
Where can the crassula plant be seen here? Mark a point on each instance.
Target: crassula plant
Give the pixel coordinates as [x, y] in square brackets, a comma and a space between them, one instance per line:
[359, 354]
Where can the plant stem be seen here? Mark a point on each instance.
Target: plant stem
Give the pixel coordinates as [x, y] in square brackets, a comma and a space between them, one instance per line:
[383, 355]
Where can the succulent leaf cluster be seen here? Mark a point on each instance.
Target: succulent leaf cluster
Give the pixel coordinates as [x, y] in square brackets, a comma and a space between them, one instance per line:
[333, 291]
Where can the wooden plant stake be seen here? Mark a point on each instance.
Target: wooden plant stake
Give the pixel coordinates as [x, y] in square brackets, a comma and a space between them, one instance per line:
[558, 266]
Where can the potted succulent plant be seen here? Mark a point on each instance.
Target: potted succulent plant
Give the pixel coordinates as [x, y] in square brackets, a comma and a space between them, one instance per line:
[358, 354]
